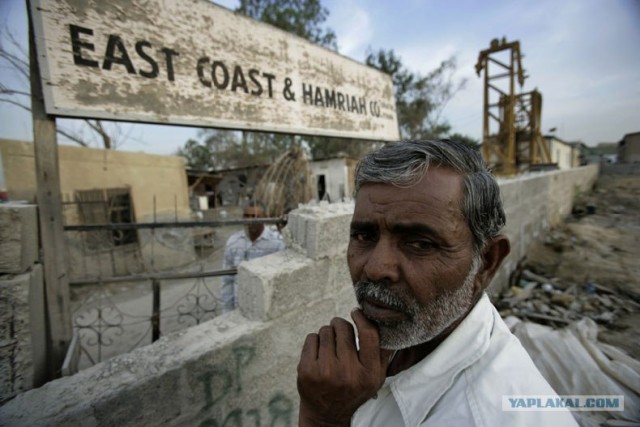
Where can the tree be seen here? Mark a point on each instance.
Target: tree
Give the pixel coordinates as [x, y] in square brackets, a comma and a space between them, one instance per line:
[303, 18]
[323, 147]
[197, 156]
[15, 89]
[420, 100]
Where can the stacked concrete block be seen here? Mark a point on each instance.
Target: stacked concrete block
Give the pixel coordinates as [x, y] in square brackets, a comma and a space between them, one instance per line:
[321, 230]
[18, 237]
[22, 334]
[272, 286]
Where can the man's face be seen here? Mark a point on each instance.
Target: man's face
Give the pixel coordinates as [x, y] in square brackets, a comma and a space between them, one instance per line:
[253, 230]
[411, 258]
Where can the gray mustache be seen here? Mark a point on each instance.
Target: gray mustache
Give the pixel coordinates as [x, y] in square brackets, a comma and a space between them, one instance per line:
[378, 291]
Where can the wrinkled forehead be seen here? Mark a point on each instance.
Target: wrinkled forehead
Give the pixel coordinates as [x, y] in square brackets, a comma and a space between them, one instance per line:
[438, 186]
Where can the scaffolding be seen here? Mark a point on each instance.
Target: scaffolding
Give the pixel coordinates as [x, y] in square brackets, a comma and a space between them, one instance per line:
[511, 137]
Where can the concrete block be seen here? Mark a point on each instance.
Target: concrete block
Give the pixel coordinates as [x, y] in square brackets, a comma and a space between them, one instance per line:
[22, 335]
[321, 230]
[18, 237]
[271, 286]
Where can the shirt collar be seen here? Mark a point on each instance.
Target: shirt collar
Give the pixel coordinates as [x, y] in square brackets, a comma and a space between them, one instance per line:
[262, 235]
[418, 389]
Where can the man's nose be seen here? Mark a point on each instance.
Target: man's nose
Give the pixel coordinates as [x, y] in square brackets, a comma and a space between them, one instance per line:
[382, 263]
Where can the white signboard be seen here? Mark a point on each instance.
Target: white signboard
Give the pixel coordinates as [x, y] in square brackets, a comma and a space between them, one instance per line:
[192, 62]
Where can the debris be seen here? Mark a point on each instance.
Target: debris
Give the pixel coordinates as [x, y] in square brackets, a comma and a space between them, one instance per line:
[529, 275]
[520, 294]
[563, 299]
[549, 305]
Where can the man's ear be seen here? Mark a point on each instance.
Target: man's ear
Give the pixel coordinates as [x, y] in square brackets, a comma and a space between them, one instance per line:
[495, 251]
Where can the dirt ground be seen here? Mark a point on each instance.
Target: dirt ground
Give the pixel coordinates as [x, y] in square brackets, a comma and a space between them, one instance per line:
[599, 244]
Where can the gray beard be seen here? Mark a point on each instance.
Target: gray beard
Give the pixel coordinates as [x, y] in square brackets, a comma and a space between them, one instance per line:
[425, 322]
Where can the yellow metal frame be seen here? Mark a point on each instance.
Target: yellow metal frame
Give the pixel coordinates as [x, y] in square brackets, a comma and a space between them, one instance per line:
[518, 142]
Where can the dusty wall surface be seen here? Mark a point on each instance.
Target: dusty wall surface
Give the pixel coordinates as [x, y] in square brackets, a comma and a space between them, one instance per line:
[240, 368]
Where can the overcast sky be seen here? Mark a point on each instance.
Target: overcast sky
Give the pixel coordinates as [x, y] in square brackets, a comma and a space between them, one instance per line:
[582, 55]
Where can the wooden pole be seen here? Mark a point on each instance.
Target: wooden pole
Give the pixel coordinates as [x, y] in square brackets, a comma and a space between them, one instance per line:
[56, 280]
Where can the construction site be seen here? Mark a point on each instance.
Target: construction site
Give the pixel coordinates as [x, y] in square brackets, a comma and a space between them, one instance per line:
[146, 340]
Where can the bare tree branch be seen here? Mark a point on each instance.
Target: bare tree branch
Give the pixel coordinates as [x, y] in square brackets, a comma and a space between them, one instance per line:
[14, 58]
[16, 103]
[96, 125]
[75, 138]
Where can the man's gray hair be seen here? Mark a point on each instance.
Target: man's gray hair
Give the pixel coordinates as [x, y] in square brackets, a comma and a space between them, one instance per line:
[404, 163]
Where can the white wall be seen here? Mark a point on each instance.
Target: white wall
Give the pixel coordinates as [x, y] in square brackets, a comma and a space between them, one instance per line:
[561, 153]
[336, 178]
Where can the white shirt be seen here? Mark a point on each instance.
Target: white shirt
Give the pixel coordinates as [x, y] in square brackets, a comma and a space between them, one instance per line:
[461, 383]
[240, 248]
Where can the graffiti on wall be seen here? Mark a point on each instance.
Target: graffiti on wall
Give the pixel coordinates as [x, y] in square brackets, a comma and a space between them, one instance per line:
[225, 381]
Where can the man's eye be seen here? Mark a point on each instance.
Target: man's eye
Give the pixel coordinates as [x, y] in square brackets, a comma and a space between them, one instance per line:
[421, 245]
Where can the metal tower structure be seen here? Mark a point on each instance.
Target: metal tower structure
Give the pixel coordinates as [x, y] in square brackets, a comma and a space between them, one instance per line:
[511, 137]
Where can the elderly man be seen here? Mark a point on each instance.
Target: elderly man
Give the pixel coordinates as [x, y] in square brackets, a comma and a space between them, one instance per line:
[431, 350]
[254, 241]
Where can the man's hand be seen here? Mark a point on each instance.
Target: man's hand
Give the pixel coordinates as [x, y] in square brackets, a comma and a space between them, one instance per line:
[334, 378]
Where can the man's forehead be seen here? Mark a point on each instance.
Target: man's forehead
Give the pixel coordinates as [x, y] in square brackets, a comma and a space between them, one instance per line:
[441, 187]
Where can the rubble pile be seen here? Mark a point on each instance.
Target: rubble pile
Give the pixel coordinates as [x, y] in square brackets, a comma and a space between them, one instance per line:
[556, 303]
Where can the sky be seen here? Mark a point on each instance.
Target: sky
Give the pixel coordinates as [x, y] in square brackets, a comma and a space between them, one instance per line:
[582, 55]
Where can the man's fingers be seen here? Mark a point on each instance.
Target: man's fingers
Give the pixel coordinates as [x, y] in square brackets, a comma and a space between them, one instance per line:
[327, 349]
[310, 348]
[369, 353]
[345, 337]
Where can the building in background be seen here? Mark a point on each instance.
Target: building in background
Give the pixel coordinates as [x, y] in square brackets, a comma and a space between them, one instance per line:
[105, 187]
[565, 155]
[334, 178]
[629, 148]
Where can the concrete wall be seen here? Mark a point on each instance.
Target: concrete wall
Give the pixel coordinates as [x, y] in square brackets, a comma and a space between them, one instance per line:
[535, 202]
[240, 368]
[22, 327]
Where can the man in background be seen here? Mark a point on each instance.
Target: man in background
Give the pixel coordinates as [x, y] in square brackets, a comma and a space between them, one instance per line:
[254, 241]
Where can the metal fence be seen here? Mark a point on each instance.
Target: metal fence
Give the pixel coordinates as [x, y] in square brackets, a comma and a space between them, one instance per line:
[125, 291]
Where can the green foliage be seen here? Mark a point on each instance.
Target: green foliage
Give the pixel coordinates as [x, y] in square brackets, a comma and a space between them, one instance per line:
[323, 148]
[303, 18]
[420, 100]
[223, 149]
